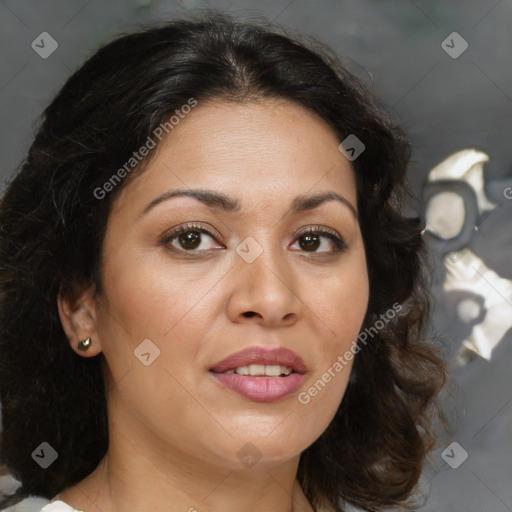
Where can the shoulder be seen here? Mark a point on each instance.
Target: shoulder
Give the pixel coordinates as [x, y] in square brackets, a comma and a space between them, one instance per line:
[32, 504]
[38, 504]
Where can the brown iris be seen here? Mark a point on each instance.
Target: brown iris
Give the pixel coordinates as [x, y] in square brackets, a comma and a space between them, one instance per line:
[190, 239]
[308, 242]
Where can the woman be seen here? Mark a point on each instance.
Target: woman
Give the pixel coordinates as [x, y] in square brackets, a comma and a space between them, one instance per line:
[210, 297]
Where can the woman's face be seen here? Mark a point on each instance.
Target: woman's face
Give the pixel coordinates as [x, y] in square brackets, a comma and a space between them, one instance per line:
[236, 279]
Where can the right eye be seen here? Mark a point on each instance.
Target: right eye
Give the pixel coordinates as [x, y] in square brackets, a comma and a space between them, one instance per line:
[190, 238]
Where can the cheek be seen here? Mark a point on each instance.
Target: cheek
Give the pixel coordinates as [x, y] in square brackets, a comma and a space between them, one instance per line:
[148, 299]
[150, 295]
[340, 306]
[147, 303]
[340, 302]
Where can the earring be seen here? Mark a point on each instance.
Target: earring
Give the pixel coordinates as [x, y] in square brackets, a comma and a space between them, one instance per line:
[84, 344]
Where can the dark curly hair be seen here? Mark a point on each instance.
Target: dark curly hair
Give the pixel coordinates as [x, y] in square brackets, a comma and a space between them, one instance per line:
[52, 227]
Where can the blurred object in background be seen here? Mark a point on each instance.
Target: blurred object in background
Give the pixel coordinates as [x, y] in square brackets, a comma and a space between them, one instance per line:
[456, 202]
[8, 484]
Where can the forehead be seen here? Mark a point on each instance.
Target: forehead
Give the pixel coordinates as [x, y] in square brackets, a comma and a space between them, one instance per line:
[260, 151]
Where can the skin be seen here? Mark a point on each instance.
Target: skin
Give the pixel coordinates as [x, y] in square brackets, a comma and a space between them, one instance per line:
[174, 430]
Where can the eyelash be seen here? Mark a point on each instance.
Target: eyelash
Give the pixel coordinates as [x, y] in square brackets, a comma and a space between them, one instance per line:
[337, 240]
[339, 243]
[174, 233]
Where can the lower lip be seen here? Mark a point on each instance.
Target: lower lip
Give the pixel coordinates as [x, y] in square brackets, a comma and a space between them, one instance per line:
[261, 389]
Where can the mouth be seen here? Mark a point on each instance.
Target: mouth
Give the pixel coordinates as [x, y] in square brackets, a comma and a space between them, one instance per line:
[262, 370]
[261, 375]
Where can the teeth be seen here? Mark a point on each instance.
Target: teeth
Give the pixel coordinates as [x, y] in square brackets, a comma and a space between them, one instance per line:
[268, 370]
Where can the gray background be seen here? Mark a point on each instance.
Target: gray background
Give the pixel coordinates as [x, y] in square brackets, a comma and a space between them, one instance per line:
[446, 104]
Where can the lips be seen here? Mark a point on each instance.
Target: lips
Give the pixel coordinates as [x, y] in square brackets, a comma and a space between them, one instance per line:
[260, 356]
[261, 388]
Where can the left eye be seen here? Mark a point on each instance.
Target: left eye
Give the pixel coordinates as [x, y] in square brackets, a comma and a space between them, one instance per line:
[320, 240]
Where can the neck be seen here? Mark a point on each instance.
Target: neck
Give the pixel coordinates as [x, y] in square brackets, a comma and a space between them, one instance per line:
[138, 475]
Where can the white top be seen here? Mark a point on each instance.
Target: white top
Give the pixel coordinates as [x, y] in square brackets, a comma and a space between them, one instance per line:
[38, 504]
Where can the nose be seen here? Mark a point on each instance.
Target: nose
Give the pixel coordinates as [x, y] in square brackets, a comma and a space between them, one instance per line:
[264, 291]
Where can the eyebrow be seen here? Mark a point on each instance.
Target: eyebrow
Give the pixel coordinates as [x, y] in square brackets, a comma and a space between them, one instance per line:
[221, 202]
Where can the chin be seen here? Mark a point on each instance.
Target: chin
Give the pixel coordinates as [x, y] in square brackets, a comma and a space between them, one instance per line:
[263, 451]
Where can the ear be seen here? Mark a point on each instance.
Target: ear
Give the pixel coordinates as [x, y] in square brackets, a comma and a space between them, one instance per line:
[77, 314]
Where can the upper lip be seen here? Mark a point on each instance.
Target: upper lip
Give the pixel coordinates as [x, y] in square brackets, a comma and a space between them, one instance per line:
[258, 355]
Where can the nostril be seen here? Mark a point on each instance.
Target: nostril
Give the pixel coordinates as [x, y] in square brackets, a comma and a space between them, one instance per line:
[249, 314]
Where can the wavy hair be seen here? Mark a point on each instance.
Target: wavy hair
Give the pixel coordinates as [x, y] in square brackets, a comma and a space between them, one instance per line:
[52, 227]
